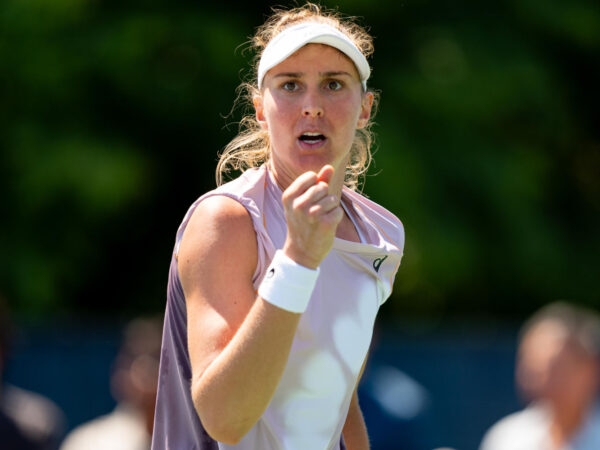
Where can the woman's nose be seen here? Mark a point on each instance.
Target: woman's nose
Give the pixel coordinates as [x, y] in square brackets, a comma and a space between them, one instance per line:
[312, 107]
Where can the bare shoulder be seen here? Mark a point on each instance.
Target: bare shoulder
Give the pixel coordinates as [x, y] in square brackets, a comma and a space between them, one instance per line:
[217, 214]
[219, 230]
[218, 254]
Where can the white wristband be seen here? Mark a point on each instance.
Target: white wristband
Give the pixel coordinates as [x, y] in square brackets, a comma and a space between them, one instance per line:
[287, 284]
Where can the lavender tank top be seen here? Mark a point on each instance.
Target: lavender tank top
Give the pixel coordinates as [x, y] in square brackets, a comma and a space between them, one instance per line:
[309, 406]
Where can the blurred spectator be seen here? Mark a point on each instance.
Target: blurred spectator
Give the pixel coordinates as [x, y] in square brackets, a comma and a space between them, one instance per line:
[558, 372]
[27, 420]
[133, 384]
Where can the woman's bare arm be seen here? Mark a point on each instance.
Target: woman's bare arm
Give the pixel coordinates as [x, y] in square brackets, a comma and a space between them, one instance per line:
[238, 342]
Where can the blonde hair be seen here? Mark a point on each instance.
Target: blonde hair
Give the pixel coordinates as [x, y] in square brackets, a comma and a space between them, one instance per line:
[252, 147]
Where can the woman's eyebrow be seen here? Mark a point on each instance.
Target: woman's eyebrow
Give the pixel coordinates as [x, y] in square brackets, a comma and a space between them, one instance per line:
[335, 74]
[289, 75]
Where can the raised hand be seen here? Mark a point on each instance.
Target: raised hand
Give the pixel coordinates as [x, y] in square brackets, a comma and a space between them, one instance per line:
[313, 214]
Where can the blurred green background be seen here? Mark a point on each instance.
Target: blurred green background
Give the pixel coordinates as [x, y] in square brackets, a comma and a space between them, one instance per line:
[111, 117]
[112, 113]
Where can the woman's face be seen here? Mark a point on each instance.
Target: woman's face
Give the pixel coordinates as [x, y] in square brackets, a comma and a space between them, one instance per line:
[311, 104]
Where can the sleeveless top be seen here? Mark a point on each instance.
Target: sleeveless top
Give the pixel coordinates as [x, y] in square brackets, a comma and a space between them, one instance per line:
[310, 404]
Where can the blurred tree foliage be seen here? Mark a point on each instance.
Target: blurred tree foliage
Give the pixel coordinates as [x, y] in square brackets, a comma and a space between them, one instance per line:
[489, 149]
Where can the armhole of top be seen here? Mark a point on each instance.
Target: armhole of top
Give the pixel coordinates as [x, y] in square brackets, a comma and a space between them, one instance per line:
[359, 230]
[183, 226]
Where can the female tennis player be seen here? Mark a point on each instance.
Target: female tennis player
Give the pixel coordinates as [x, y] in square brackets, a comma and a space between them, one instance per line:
[277, 276]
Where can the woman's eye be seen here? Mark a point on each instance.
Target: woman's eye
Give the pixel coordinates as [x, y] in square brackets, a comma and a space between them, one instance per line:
[334, 85]
[290, 86]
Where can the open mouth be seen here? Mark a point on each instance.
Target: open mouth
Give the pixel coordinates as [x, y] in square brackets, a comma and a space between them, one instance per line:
[312, 138]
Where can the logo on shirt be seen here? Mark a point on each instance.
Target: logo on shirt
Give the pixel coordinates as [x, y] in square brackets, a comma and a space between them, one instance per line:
[377, 263]
[271, 272]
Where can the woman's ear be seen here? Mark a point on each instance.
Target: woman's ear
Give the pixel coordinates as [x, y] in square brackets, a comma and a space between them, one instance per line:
[365, 110]
[260, 111]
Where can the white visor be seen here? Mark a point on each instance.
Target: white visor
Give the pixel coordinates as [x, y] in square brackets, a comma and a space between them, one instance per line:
[294, 37]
